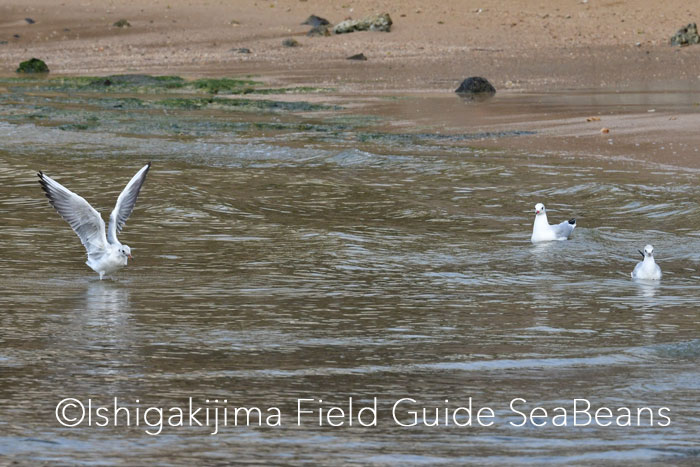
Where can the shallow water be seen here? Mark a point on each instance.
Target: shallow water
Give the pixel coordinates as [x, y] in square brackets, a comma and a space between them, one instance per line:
[281, 267]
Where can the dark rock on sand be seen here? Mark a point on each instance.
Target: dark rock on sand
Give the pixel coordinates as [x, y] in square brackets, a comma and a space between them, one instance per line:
[290, 43]
[359, 56]
[33, 65]
[322, 30]
[686, 36]
[122, 23]
[476, 86]
[29, 21]
[371, 23]
[241, 50]
[316, 21]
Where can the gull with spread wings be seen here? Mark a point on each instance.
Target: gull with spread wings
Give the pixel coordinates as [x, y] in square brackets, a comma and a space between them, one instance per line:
[105, 253]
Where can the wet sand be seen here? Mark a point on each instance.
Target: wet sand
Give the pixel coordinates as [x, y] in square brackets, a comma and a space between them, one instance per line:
[522, 47]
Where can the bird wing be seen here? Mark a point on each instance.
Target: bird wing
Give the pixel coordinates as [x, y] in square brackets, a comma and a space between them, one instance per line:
[636, 270]
[83, 219]
[564, 229]
[125, 204]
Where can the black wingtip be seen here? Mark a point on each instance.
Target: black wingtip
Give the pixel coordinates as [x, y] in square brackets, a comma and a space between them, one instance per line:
[42, 181]
[45, 188]
[640, 252]
[572, 221]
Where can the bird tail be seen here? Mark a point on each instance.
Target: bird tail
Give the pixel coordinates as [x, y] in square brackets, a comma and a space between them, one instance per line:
[572, 221]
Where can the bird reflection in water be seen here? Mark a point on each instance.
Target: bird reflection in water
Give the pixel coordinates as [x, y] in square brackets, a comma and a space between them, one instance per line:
[646, 288]
[106, 303]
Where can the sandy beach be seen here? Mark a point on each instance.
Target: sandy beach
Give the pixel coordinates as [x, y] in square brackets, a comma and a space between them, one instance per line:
[520, 46]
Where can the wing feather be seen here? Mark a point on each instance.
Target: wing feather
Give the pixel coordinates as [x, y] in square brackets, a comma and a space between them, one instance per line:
[125, 203]
[83, 218]
[564, 229]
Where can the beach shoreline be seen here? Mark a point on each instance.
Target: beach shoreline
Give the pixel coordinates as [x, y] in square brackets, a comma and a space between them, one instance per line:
[521, 47]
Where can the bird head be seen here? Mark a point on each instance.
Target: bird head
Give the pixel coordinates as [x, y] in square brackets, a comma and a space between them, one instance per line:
[648, 252]
[539, 208]
[126, 251]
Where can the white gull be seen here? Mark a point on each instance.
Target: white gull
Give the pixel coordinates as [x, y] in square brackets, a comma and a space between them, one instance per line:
[647, 269]
[543, 232]
[105, 253]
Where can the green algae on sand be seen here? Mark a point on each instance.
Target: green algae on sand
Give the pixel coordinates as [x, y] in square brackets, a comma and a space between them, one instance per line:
[33, 65]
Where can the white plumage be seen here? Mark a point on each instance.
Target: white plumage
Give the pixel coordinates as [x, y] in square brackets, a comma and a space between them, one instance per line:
[105, 253]
[647, 269]
[543, 232]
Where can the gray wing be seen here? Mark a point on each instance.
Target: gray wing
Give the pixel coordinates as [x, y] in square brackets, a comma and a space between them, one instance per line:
[564, 229]
[125, 204]
[83, 219]
[636, 269]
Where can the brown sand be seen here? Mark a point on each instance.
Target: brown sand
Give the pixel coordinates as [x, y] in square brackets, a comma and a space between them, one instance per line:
[520, 45]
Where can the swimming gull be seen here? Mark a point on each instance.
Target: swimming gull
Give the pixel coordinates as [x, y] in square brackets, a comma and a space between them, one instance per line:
[647, 269]
[543, 232]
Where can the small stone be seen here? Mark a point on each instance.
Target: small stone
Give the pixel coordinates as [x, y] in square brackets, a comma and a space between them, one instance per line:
[593, 119]
[370, 23]
[241, 50]
[686, 36]
[605, 131]
[33, 65]
[122, 23]
[476, 86]
[290, 43]
[315, 21]
[29, 21]
[359, 56]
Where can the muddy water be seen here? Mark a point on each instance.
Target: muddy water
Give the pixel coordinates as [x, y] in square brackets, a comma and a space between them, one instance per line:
[267, 272]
